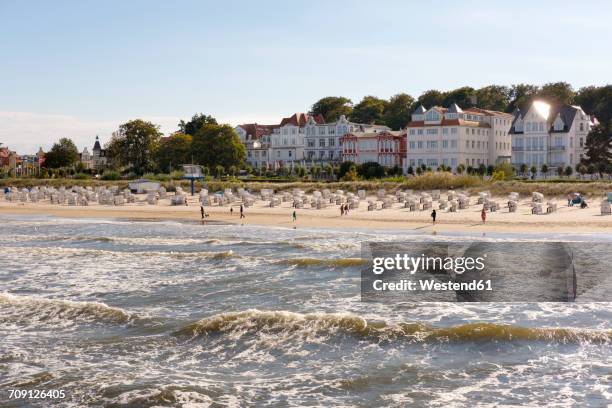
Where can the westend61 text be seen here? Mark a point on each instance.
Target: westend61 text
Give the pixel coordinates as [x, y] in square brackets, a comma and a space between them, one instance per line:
[432, 285]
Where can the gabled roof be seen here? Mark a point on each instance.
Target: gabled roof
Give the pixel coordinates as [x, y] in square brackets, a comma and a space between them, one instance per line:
[300, 119]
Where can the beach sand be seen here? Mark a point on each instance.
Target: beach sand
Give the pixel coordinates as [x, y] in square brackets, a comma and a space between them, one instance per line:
[565, 219]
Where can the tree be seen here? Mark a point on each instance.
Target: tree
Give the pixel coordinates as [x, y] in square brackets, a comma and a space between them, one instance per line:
[560, 171]
[596, 101]
[134, 144]
[493, 97]
[557, 93]
[64, 153]
[344, 168]
[482, 169]
[332, 107]
[173, 151]
[370, 110]
[504, 171]
[398, 111]
[219, 170]
[521, 96]
[196, 123]
[599, 145]
[582, 169]
[370, 170]
[410, 170]
[569, 171]
[233, 170]
[430, 98]
[544, 170]
[523, 169]
[465, 97]
[533, 171]
[329, 171]
[490, 169]
[460, 169]
[215, 145]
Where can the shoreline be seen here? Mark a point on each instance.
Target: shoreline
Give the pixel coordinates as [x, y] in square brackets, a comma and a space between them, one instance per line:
[565, 220]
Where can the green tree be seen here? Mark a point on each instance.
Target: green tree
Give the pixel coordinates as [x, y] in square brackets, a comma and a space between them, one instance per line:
[219, 170]
[344, 168]
[493, 97]
[430, 98]
[398, 111]
[173, 151]
[134, 145]
[523, 169]
[599, 145]
[332, 107]
[233, 170]
[533, 171]
[544, 170]
[557, 93]
[560, 171]
[505, 171]
[521, 96]
[214, 145]
[569, 171]
[196, 123]
[460, 169]
[370, 170]
[596, 101]
[370, 110]
[64, 153]
[465, 97]
[582, 169]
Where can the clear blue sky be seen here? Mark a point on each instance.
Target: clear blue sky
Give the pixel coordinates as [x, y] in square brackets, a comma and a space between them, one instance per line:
[80, 68]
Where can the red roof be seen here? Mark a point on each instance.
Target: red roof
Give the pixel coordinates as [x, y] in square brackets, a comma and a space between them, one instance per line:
[300, 119]
[256, 131]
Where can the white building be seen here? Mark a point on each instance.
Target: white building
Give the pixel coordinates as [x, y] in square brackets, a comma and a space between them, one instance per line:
[257, 140]
[323, 139]
[551, 135]
[452, 136]
[299, 139]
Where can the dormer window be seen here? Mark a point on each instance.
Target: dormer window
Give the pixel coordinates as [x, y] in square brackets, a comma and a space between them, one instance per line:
[432, 116]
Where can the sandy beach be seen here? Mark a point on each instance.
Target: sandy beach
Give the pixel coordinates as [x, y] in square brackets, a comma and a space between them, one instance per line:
[565, 219]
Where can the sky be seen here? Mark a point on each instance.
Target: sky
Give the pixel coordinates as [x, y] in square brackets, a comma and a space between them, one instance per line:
[81, 68]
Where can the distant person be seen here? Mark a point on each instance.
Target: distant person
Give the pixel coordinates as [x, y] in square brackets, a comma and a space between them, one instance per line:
[341, 210]
[483, 215]
[294, 216]
[231, 210]
[346, 209]
[241, 211]
[433, 216]
[202, 211]
[583, 203]
[569, 200]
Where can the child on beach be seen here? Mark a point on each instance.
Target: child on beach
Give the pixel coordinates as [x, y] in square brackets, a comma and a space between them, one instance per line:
[483, 215]
[433, 216]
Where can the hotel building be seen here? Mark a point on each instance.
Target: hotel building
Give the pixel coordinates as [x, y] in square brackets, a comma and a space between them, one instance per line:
[387, 148]
[452, 136]
[551, 135]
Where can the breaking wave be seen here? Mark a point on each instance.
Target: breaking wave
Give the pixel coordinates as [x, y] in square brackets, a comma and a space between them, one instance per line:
[330, 323]
[342, 262]
[35, 309]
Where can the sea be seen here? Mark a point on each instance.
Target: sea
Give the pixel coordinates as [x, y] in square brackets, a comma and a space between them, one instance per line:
[128, 313]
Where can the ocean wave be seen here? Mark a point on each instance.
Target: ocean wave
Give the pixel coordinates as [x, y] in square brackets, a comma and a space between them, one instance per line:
[341, 262]
[35, 309]
[255, 320]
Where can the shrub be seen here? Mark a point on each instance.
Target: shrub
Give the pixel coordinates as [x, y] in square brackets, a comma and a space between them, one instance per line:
[111, 175]
[82, 176]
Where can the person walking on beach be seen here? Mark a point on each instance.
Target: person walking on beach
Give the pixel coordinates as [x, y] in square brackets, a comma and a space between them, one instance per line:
[294, 216]
[483, 215]
[231, 210]
[241, 211]
[341, 210]
[202, 211]
[433, 216]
